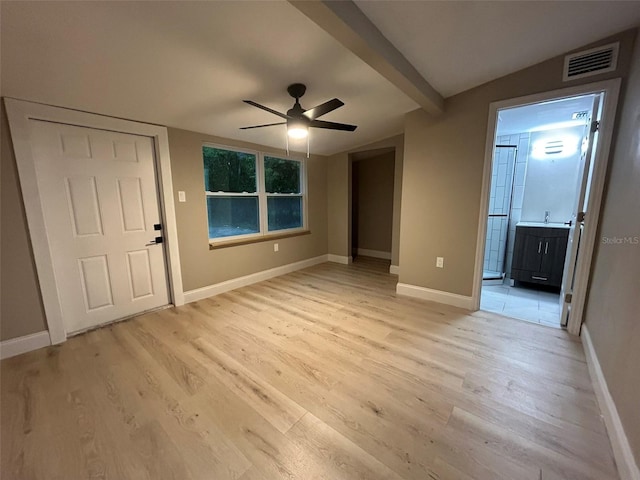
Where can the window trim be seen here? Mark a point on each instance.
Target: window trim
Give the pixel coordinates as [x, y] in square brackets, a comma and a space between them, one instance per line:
[263, 215]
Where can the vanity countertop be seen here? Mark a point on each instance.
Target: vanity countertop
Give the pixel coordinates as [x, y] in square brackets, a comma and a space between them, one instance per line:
[541, 225]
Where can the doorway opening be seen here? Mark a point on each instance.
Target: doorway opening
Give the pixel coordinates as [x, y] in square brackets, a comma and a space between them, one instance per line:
[542, 168]
[372, 196]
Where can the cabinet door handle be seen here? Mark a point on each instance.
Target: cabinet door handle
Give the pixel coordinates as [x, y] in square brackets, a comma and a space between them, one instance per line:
[546, 247]
[539, 246]
[538, 278]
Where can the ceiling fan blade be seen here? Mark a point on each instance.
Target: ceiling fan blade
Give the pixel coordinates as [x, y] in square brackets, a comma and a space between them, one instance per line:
[323, 109]
[270, 110]
[265, 125]
[332, 125]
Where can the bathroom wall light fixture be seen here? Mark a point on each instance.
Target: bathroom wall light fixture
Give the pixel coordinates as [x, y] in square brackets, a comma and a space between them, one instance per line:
[555, 147]
[585, 146]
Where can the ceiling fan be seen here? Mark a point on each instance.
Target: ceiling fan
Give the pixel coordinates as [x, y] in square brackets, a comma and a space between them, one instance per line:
[299, 120]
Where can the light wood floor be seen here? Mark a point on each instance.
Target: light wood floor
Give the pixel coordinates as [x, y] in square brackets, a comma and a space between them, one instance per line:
[319, 374]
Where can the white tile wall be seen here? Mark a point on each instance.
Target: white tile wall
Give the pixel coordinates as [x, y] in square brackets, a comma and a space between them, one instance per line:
[500, 203]
[522, 140]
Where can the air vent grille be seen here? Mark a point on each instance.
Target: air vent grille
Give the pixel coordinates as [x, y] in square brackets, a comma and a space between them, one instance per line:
[591, 62]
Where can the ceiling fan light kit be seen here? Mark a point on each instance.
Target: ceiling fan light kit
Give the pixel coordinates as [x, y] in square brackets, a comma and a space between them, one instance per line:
[299, 120]
[297, 129]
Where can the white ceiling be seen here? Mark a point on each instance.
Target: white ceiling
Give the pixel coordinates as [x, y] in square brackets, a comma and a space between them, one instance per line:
[190, 64]
[541, 115]
[457, 45]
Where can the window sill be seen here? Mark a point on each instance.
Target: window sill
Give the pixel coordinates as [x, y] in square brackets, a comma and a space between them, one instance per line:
[264, 238]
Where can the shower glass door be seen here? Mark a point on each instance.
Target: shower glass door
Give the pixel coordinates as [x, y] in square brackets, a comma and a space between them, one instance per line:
[502, 176]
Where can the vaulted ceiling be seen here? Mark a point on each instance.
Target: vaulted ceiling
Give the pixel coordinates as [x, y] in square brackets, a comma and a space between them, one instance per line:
[190, 64]
[459, 45]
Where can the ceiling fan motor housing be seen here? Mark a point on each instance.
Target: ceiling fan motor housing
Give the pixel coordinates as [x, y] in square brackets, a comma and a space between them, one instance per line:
[298, 120]
[296, 90]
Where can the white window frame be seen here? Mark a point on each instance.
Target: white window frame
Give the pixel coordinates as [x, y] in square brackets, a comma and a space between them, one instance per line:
[263, 214]
[302, 194]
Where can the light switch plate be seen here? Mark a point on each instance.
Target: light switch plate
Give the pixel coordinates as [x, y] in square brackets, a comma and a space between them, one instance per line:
[276, 247]
[440, 262]
[182, 197]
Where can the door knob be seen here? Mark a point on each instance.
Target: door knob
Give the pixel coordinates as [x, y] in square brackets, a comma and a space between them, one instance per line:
[154, 242]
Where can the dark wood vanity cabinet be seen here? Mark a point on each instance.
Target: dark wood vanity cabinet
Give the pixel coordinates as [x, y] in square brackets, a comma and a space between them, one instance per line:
[538, 255]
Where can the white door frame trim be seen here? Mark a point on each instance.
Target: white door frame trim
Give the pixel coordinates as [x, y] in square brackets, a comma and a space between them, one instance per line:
[611, 90]
[19, 112]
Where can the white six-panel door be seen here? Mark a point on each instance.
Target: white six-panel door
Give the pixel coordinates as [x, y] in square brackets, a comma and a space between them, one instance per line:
[100, 202]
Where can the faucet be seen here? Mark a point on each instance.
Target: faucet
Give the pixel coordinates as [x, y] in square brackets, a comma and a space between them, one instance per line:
[546, 216]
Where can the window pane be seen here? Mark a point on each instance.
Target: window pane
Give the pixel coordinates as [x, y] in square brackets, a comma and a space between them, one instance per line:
[230, 216]
[281, 176]
[227, 171]
[284, 212]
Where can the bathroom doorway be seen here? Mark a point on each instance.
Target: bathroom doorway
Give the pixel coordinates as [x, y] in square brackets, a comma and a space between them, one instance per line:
[546, 159]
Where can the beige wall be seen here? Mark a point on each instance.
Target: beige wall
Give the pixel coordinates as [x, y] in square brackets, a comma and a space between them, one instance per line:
[373, 202]
[613, 306]
[339, 197]
[21, 310]
[442, 175]
[202, 267]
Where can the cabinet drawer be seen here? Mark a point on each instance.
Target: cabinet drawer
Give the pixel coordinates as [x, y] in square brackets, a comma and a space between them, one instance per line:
[541, 278]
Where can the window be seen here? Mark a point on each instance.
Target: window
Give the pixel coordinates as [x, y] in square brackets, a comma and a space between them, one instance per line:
[232, 195]
[250, 194]
[284, 193]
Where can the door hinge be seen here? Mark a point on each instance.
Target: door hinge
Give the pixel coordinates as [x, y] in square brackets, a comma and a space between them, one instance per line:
[595, 126]
[568, 297]
[580, 217]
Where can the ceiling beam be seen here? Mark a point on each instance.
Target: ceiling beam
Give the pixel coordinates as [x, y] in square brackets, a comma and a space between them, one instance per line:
[345, 22]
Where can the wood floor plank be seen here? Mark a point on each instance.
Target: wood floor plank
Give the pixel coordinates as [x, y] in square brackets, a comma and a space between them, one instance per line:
[140, 395]
[444, 471]
[324, 373]
[275, 407]
[337, 457]
[526, 451]
[263, 445]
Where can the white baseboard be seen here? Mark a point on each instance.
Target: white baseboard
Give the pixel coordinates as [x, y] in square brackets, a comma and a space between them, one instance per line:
[211, 290]
[439, 296]
[394, 269]
[16, 346]
[627, 467]
[365, 252]
[339, 259]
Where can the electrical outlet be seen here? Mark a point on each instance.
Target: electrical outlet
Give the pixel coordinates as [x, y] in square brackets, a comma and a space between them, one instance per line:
[440, 262]
[276, 247]
[182, 197]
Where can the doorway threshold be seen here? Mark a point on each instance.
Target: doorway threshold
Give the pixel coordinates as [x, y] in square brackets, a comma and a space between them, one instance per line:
[522, 304]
